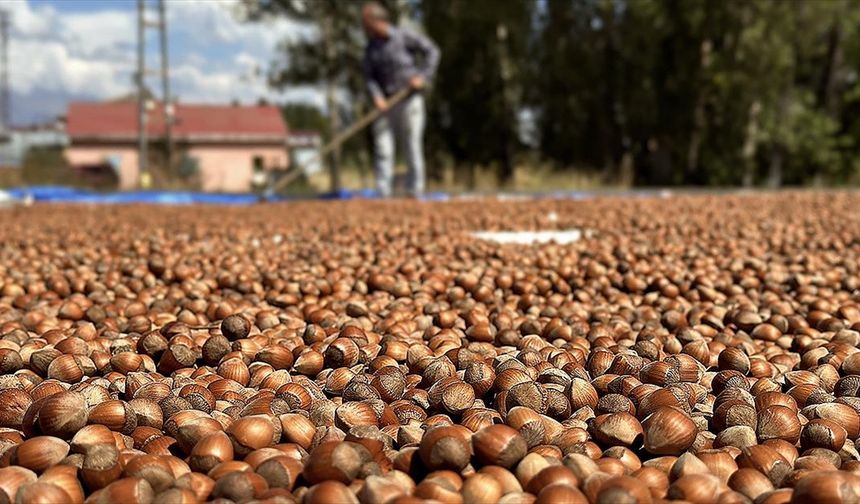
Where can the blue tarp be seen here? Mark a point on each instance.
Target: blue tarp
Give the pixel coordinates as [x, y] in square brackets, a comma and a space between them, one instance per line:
[56, 194]
[44, 193]
[373, 194]
[61, 194]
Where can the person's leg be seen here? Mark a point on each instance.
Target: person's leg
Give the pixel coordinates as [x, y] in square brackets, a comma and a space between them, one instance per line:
[383, 155]
[412, 142]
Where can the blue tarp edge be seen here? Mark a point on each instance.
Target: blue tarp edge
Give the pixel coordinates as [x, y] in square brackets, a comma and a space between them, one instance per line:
[62, 194]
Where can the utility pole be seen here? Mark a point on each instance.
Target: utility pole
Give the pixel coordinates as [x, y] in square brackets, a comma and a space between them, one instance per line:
[5, 102]
[143, 168]
[142, 99]
[166, 99]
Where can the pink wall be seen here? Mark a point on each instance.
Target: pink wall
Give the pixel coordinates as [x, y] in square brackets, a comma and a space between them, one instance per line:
[86, 155]
[230, 168]
[222, 168]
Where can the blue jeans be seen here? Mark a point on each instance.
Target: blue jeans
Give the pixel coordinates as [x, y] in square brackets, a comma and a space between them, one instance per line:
[405, 123]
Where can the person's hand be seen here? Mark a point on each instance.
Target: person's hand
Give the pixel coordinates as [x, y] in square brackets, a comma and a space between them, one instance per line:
[416, 82]
[380, 103]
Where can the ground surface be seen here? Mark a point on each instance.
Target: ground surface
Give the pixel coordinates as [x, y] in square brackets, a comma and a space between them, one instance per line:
[685, 348]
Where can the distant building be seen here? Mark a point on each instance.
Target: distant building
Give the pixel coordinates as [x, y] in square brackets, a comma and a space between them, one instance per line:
[224, 144]
[16, 142]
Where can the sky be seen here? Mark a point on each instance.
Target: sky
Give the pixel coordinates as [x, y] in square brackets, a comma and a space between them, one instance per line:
[66, 50]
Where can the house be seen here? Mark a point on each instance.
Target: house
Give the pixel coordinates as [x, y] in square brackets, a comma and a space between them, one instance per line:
[16, 142]
[224, 144]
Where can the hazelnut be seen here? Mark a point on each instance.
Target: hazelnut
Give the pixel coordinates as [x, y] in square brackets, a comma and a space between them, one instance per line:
[827, 486]
[66, 478]
[765, 460]
[778, 422]
[506, 478]
[695, 488]
[199, 484]
[668, 431]
[481, 488]
[101, 467]
[115, 415]
[820, 433]
[280, 472]
[39, 453]
[623, 489]
[330, 491]
[529, 424]
[560, 492]
[156, 470]
[250, 433]
[13, 478]
[61, 415]
[499, 445]
[41, 492]
[656, 480]
[617, 429]
[334, 460]
[127, 490]
[552, 475]
[210, 451]
[444, 448]
[235, 327]
[13, 407]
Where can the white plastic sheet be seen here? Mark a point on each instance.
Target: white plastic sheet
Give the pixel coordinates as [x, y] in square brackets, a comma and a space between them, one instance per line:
[531, 237]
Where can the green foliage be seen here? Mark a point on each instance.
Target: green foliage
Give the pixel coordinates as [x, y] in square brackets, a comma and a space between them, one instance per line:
[686, 92]
[477, 92]
[810, 137]
[300, 116]
[46, 166]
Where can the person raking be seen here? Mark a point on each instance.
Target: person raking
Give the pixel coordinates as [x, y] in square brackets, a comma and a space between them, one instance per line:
[394, 59]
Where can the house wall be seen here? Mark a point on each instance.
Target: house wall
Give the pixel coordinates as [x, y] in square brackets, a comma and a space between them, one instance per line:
[230, 168]
[91, 155]
[222, 168]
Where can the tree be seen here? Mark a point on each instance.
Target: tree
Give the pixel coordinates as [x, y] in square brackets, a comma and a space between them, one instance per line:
[478, 90]
[300, 116]
[559, 89]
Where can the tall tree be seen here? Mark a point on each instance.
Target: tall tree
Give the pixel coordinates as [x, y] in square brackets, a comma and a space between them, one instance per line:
[478, 89]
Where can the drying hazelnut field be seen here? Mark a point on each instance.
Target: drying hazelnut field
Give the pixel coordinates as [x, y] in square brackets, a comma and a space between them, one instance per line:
[698, 348]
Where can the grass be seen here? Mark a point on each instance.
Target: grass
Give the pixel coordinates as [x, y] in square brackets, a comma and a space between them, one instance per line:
[527, 178]
[47, 166]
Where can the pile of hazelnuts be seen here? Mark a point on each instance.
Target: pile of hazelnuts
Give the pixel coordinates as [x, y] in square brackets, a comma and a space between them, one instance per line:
[703, 349]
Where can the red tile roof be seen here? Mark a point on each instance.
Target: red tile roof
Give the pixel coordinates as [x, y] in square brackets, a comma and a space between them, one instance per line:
[117, 121]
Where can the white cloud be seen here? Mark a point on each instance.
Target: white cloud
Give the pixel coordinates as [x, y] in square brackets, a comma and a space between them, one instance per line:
[220, 19]
[30, 21]
[215, 57]
[105, 34]
[249, 65]
[194, 85]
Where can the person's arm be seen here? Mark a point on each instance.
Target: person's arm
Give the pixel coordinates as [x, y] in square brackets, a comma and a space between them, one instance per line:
[421, 44]
[373, 87]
